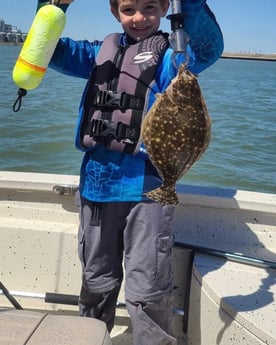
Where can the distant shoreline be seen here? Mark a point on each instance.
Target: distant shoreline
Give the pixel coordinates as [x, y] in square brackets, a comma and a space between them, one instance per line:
[11, 43]
[239, 56]
[244, 56]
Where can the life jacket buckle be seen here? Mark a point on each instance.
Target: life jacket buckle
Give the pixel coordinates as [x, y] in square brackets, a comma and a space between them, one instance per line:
[106, 98]
[121, 100]
[117, 130]
[102, 128]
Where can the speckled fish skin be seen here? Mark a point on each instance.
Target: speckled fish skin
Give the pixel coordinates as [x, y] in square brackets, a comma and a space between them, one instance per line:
[176, 131]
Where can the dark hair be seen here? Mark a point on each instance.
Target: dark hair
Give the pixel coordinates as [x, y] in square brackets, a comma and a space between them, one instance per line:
[114, 3]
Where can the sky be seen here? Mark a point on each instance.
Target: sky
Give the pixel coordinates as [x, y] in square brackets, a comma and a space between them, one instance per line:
[248, 26]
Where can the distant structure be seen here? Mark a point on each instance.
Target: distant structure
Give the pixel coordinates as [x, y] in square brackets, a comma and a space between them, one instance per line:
[10, 34]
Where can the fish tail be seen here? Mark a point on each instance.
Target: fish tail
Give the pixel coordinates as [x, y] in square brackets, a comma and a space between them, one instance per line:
[164, 195]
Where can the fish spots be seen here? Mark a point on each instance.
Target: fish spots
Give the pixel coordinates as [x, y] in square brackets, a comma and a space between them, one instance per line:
[176, 131]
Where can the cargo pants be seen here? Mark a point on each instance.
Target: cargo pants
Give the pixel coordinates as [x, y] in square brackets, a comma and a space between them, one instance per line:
[141, 234]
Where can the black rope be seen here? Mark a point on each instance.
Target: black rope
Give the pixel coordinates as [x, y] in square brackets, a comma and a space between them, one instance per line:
[17, 104]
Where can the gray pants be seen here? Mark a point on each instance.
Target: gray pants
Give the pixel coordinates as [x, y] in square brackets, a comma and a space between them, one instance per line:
[142, 231]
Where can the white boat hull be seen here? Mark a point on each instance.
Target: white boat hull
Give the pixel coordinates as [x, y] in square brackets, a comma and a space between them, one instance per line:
[229, 303]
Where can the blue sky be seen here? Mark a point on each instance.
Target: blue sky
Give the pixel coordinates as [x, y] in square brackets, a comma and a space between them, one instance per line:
[248, 25]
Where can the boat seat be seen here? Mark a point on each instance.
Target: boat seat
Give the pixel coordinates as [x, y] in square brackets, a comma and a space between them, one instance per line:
[21, 327]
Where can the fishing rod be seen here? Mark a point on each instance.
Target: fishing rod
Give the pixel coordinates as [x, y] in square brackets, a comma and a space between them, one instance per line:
[178, 37]
[59, 298]
[239, 258]
[9, 296]
[55, 298]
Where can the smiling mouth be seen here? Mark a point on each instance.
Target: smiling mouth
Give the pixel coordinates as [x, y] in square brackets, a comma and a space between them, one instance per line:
[135, 28]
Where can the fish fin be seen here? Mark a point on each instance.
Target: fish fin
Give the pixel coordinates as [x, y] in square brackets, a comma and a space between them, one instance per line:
[158, 95]
[164, 195]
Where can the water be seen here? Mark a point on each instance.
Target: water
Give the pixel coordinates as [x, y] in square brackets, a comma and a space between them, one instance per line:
[241, 100]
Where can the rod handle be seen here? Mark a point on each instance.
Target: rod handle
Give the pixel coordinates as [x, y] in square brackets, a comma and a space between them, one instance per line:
[59, 298]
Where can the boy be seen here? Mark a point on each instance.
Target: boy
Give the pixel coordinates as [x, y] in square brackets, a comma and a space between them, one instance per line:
[124, 73]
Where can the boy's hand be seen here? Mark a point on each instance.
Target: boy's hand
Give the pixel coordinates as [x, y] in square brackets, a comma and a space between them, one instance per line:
[61, 2]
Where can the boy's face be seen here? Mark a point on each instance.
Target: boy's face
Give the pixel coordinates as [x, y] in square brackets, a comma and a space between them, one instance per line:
[140, 18]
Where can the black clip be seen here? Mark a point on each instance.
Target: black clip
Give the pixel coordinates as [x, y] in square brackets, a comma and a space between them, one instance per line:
[121, 100]
[102, 128]
[108, 99]
[116, 130]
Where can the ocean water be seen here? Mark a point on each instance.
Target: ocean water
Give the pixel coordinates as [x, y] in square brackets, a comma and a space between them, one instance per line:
[241, 100]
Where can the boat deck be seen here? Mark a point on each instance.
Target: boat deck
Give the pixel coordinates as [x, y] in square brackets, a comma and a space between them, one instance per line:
[230, 303]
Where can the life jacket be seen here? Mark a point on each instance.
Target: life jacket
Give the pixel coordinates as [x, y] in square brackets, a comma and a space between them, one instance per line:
[117, 96]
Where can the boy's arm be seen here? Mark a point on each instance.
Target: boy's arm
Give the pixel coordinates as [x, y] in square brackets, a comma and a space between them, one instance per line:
[206, 38]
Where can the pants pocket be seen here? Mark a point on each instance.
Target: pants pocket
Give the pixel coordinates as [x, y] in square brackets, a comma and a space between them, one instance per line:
[81, 245]
[163, 258]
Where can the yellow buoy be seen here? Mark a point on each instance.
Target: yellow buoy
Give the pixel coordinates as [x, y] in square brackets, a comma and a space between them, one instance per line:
[38, 47]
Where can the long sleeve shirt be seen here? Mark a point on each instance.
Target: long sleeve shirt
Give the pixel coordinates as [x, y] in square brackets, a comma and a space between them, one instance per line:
[107, 175]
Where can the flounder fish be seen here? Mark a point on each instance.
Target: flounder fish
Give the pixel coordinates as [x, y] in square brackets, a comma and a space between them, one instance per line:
[176, 131]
